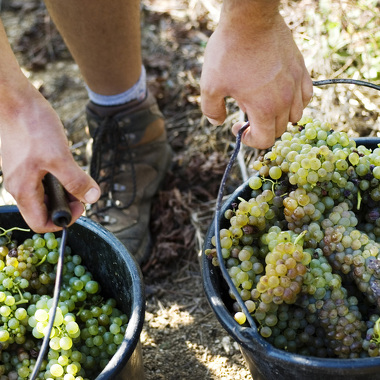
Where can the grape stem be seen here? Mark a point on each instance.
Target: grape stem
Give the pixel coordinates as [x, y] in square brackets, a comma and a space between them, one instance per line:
[274, 183]
[359, 200]
[299, 237]
[41, 261]
[22, 299]
[81, 309]
[6, 232]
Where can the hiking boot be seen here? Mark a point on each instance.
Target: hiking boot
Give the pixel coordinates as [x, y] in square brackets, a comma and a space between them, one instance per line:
[130, 157]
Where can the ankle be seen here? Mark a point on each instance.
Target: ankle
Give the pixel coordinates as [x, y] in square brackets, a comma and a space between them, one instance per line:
[109, 111]
[143, 118]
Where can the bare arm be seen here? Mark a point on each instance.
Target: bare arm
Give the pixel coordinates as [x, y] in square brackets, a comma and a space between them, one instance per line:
[252, 57]
[33, 143]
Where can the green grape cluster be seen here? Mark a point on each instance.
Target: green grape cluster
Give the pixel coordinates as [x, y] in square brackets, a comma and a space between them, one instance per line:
[352, 252]
[337, 312]
[303, 249]
[372, 337]
[300, 208]
[284, 270]
[87, 329]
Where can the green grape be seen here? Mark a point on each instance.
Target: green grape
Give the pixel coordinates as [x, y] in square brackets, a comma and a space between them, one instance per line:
[65, 343]
[255, 183]
[56, 370]
[240, 318]
[114, 328]
[275, 172]
[4, 335]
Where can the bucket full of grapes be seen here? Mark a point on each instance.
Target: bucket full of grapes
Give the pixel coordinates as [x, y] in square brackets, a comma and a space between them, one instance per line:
[100, 312]
[291, 263]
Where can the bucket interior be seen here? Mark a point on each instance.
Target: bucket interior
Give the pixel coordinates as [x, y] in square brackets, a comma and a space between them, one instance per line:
[264, 360]
[112, 266]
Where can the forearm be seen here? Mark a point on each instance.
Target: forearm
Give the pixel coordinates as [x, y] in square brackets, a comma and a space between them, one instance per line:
[13, 83]
[26, 119]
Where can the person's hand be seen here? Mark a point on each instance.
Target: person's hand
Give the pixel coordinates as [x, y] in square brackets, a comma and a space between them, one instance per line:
[33, 143]
[252, 58]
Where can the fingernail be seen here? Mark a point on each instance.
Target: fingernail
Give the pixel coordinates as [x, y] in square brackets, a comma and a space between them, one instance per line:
[213, 121]
[92, 195]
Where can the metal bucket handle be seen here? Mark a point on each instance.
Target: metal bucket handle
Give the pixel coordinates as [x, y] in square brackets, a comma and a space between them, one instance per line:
[219, 199]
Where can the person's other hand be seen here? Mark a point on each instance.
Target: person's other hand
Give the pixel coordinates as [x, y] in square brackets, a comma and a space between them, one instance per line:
[252, 58]
[33, 143]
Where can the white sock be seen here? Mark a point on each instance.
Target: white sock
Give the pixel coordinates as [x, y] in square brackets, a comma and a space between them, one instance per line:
[136, 92]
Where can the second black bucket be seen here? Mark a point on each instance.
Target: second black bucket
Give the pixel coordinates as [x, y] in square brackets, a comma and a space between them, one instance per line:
[120, 277]
[266, 362]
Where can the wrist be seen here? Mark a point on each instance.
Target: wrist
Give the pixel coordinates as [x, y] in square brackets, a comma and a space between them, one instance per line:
[15, 98]
[259, 13]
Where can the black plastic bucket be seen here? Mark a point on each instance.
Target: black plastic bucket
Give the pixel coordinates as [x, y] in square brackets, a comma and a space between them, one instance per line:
[120, 277]
[266, 362]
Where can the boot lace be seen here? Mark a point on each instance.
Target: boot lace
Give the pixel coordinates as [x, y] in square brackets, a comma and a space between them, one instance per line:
[109, 150]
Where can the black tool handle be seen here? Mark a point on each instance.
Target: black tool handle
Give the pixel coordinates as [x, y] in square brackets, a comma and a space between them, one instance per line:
[58, 204]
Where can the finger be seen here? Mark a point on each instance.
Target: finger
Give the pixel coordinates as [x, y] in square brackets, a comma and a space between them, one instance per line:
[213, 107]
[296, 108]
[307, 89]
[260, 135]
[31, 204]
[262, 131]
[77, 182]
[38, 218]
[237, 126]
[77, 209]
[282, 123]
[36, 214]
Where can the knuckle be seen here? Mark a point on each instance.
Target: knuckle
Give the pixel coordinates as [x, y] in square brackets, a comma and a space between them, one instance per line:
[76, 186]
[73, 187]
[287, 97]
